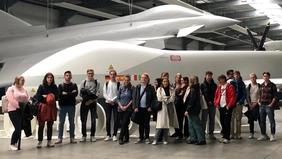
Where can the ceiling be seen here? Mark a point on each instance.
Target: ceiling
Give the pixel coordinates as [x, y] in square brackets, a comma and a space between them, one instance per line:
[235, 37]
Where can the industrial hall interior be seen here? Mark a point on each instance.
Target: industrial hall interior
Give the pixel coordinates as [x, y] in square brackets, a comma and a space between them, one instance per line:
[115, 79]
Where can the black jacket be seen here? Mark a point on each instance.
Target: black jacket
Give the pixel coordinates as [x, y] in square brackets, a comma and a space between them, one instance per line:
[208, 91]
[192, 102]
[150, 96]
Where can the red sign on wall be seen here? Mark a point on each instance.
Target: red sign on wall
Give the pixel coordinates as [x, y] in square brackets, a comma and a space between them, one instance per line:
[175, 58]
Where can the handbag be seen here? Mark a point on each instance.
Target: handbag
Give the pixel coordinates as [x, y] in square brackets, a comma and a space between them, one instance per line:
[160, 106]
[134, 118]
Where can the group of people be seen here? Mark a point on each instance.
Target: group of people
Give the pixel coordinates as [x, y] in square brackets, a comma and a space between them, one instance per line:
[185, 105]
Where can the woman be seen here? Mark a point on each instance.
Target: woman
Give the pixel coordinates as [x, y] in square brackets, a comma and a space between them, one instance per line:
[158, 82]
[124, 99]
[47, 110]
[15, 94]
[167, 115]
[184, 86]
[193, 108]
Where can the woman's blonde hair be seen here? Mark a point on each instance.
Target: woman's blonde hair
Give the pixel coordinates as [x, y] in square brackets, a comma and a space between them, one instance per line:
[193, 80]
[17, 80]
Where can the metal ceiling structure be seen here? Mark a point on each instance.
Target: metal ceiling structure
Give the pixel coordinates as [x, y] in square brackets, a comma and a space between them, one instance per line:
[231, 38]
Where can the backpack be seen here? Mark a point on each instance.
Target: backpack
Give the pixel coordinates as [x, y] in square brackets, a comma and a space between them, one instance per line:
[84, 83]
[118, 85]
[5, 103]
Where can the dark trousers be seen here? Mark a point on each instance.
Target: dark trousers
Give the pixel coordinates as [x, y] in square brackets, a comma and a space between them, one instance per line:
[15, 117]
[109, 109]
[180, 117]
[225, 121]
[83, 116]
[125, 120]
[144, 123]
[186, 128]
[252, 120]
[49, 131]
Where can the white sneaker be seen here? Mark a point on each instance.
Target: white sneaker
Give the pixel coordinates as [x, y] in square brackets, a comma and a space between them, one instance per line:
[272, 138]
[108, 138]
[147, 141]
[83, 139]
[13, 148]
[92, 139]
[165, 142]
[251, 136]
[225, 141]
[154, 143]
[262, 137]
[50, 143]
[39, 145]
[114, 138]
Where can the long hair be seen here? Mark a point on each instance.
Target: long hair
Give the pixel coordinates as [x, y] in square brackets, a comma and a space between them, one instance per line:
[45, 83]
[159, 80]
[193, 81]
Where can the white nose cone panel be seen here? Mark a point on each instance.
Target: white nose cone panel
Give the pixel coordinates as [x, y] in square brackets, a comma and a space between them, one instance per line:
[98, 55]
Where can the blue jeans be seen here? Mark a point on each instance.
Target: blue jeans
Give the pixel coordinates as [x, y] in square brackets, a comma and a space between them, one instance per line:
[109, 109]
[269, 111]
[83, 116]
[63, 110]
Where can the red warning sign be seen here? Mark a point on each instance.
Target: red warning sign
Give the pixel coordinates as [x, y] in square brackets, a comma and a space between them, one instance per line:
[175, 58]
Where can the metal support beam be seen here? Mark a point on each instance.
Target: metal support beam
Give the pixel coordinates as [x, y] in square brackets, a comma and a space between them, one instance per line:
[64, 16]
[6, 4]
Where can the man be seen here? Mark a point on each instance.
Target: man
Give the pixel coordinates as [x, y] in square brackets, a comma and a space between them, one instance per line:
[230, 75]
[208, 88]
[67, 92]
[225, 99]
[110, 91]
[252, 100]
[237, 113]
[266, 100]
[143, 100]
[89, 91]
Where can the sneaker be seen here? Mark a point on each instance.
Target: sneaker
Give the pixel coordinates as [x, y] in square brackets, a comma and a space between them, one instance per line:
[92, 139]
[232, 137]
[203, 142]
[272, 138]
[165, 142]
[225, 141]
[50, 143]
[221, 140]
[262, 137]
[59, 141]
[13, 148]
[191, 142]
[108, 138]
[211, 136]
[39, 145]
[251, 136]
[138, 141]
[154, 142]
[73, 141]
[173, 135]
[83, 139]
[147, 141]
[114, 138]
[238, 137]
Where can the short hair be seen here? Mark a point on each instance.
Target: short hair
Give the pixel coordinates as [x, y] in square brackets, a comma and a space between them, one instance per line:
[222, 77]
[253, 74]
[266, 73]
[178, 74]
[127, 76]
[67, 72]
[45, 83]
[229, 71]
[146, 74]
[237, 72]
[209, 73]
[164, 74]
[17, 79]
[90, 70]
[113, 71]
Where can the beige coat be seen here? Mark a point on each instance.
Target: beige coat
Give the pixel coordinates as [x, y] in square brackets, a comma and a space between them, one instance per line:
[163, 120]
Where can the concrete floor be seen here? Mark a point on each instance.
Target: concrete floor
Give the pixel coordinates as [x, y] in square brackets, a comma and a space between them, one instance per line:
[244, 148]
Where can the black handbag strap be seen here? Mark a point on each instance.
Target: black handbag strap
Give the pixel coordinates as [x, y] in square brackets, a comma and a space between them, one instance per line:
[142, 92]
